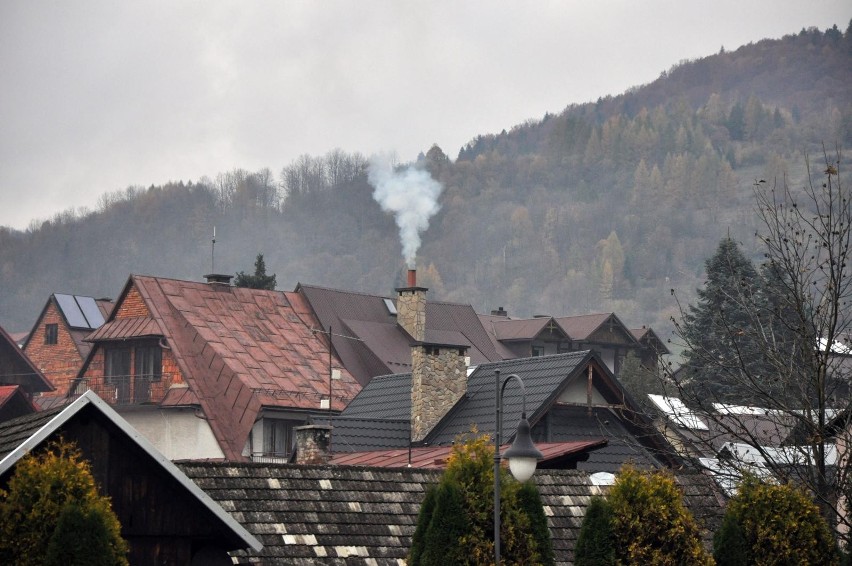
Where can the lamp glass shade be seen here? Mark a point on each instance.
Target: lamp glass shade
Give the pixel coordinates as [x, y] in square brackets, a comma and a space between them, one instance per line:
[523, 455]
[522, 468]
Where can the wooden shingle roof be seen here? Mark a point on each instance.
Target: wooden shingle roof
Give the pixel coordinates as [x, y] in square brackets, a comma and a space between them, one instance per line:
[307, 515]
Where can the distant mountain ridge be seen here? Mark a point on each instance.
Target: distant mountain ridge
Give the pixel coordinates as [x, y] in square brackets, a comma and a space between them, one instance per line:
[603, 207]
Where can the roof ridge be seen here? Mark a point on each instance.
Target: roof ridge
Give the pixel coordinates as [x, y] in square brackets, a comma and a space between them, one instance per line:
[345, 291]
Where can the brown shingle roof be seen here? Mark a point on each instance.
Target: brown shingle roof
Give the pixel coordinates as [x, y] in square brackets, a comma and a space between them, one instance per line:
[582, 327]
[369, 340]
[307, 515]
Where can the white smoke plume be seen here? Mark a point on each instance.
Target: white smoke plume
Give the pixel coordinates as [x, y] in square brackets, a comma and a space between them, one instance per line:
[411, 194]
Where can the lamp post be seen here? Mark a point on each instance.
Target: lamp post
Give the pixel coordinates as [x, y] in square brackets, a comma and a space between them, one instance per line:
[523, 456]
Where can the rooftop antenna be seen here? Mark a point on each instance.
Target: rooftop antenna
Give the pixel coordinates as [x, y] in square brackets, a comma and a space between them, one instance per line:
[213, 252]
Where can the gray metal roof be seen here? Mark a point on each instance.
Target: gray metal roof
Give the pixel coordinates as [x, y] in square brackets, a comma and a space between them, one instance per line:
[573, 423]
[359, 435]
[544, 377]
[385, 397]
[388, 398]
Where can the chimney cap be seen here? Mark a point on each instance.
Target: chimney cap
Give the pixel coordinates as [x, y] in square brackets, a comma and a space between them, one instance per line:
[221, 278]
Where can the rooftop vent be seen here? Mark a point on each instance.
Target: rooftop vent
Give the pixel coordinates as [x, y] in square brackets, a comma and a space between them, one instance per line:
[219, 278]
[500, 312]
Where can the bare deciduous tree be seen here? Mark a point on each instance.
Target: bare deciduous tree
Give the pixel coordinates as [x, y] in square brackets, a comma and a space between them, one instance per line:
[786, 340]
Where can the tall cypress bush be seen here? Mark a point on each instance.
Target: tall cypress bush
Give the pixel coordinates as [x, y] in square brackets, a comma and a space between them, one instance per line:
[651, 525]
[595, 544]
[781, 525]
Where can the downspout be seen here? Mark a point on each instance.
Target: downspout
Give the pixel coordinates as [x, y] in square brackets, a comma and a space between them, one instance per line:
[589, 392]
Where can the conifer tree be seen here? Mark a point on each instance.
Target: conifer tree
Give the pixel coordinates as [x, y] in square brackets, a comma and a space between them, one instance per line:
[778, 524]
[260, 280]
[447, 526]
[595, 544]
[464, 535]
[427, 508]
[35, 509]
[651, 525]
[716, 330]
[782, 345]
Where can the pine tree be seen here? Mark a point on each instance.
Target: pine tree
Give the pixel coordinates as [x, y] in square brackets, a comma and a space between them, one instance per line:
[260, 280]
[716, 329]
[530, 504]
[427, 509]
[82, 538]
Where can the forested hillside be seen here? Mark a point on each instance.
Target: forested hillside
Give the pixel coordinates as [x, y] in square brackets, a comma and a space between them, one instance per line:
[604, 206]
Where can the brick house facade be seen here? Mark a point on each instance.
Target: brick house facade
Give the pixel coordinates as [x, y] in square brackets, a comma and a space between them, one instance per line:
[56, 344]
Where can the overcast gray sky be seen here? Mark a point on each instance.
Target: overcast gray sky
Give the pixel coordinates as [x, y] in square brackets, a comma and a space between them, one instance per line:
[99, 95]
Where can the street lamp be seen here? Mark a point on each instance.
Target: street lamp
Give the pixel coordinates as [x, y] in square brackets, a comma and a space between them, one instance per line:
[523, 456]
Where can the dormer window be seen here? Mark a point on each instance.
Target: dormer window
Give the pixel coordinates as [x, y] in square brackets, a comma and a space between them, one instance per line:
[51, 333]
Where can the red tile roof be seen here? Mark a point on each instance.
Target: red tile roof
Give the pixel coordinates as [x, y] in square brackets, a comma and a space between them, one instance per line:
[436, 456]
[238, 349]
[124, 328]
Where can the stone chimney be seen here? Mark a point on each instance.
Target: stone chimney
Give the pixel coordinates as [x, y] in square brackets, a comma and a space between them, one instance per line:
[438, 381]
[313, 444]
[411, 307]
[438, 371]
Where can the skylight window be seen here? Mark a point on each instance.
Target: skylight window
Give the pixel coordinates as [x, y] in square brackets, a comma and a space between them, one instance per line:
[390, 306]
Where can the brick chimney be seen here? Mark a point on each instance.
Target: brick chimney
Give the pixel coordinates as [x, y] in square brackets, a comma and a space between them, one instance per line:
[313, 444]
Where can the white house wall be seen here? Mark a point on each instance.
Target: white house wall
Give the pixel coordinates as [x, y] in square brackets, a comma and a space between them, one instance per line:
[575, 393]
[178, 433]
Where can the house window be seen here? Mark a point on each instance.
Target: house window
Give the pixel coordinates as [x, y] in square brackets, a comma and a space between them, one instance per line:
[51, 333]
[537, 351]
[117, 372]
[277, 437]
[149, 362]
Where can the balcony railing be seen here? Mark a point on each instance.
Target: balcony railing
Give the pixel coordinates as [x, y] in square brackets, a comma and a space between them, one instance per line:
[270, 458]
[126, 389]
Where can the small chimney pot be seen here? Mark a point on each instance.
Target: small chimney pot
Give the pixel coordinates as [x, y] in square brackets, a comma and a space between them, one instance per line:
[412, 278]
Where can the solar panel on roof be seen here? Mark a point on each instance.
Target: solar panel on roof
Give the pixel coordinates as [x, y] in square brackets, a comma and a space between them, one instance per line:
[72, 311]
[90, 311]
